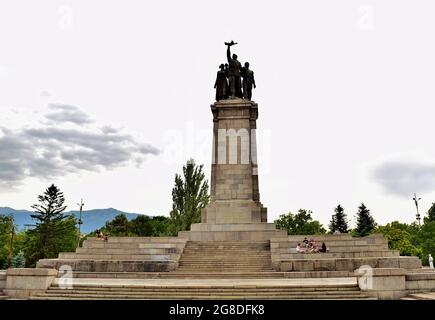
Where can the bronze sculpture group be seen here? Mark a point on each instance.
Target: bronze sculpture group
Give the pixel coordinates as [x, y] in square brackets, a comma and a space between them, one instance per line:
[229, 82]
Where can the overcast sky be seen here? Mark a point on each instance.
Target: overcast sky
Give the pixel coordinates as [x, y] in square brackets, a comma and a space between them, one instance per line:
[107, 99]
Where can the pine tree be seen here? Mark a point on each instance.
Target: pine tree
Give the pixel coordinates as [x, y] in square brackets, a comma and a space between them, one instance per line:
[332, 224]
[189, 196]
[365, 221]
[19, 261]
[338, 220]
[54, 232]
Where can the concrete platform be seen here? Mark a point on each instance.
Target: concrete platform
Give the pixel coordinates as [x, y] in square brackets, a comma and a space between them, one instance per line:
[210, 289]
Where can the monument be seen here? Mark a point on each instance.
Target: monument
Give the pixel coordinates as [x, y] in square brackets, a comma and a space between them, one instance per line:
[235, 205]
[232, 242]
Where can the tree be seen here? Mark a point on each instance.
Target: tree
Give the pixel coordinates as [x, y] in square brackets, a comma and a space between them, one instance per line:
[119, 226]
[145, 226]
[338, 221]
[7, 237]
[430, 214]
[54, 232]
[142, 226]
[300, 223]
[19, 261]
[162, 226]
[189, 196]
[400, 238]
[426, 239]
[365, 221]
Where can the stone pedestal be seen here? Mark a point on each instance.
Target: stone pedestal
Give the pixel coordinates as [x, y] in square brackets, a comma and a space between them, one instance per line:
[235, 197]
[235, 211]
[382, 283]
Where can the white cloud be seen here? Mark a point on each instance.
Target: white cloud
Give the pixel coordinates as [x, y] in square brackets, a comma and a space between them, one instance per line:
[47, 150]
[404, 174]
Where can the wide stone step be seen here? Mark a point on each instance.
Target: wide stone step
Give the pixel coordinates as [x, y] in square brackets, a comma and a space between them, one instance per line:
[331, 238]
[212, 275]
[131, 245]
[204, 286]
[422, 296]
[217, 266]
[228, 266]
[341, 248]
[347, 264]
[210, 258]
[140, 240]
[224, 262]
[226, 252]
[339, 255]
[228, 248]
[191, 293]
[135, 251]
[84, 256]
[210, 297]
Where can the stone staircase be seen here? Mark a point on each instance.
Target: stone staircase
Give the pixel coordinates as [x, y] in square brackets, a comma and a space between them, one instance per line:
[344, 254]
[225, 256]
[121, 254]
[209, 290]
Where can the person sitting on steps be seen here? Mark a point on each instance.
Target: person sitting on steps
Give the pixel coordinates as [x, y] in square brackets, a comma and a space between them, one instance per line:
[305, 242]
[299, 249]
[98, 234]
[323, 248]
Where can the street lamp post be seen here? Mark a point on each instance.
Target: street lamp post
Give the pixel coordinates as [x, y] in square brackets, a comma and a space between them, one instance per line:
[416, 200]
[80, 222]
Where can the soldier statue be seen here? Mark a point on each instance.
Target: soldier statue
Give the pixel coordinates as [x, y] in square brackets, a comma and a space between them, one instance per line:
[248, 81]
[234, 68]
[221, 84]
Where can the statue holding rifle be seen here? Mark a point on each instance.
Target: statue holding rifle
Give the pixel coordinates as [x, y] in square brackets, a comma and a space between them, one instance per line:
[233, 71]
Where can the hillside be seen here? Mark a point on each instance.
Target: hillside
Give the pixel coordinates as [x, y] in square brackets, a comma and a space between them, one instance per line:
[92, 219]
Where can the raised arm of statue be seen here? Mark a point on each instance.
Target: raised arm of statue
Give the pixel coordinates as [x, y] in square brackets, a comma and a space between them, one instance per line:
[228, 53]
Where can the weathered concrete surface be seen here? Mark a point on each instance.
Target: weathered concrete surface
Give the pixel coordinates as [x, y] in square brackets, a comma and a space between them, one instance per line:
[21, 282]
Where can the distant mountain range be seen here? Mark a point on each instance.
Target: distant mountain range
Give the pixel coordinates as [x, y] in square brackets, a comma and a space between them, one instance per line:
[92, 219]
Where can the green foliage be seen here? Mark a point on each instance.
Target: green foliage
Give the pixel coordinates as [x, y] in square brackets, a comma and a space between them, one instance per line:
[19, 261]
[50, 207]
[6, 256]
[7, 236]
[400, 238]
[365, 221]
[141, 226]
[189, 196]
[300, 223]
[430, 214]
[54, 232]
[119, 226]
[426, 239]
[145, 226]
[338, 221]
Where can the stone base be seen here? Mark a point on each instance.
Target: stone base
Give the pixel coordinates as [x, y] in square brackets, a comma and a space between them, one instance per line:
[234, 211]
[232, 235]
[21, 283]
[383, 284]
[232, 231]
[233, 227]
